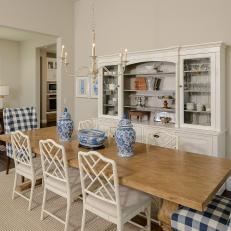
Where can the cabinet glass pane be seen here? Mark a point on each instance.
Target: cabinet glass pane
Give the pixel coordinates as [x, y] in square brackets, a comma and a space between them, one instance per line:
[197, 91]
[110, 90]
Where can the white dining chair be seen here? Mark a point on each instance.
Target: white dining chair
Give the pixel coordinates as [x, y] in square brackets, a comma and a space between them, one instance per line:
[103, 196]
[25, 164]
[162, 139]
[86, 124]
[58, 177]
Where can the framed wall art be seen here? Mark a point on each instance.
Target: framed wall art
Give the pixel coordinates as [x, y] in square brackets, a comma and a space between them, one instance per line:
[82, 87]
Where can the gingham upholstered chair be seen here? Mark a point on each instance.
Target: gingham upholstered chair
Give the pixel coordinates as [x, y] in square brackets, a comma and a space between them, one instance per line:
[103, 196]
[25, 164]
[18, 119]
[2, 144]
[58, 177]
[216, 217]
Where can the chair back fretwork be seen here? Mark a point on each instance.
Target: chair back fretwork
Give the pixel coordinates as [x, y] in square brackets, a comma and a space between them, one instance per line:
[54, 162]
[99, 177]
[21, 149]
[86, 124]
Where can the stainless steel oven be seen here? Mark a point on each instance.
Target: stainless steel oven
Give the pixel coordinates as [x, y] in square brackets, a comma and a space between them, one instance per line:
[51, 102]
[51, 87]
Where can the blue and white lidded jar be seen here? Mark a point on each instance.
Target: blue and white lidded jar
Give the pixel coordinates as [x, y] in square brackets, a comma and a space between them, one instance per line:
[65, 126]
[125, 137]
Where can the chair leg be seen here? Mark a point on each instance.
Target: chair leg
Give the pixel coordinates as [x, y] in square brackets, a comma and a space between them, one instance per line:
[7, 165]
[148, 215]
[31, 193]
[43, 203]
[15, 185]
[83, 219]
[67, 214]
[120, 226]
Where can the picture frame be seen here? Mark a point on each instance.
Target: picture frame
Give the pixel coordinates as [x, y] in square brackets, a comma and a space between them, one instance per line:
[82, 87]
[94, 88]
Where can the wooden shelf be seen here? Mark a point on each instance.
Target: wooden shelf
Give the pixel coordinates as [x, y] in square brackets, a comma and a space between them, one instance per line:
[148, 93]
[150, 108]
[196, 91]
[194, 111]
[109, 105]
[160, 74]
[197, 72]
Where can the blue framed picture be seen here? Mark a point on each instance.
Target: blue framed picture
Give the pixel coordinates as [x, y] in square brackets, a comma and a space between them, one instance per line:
[94, 88]
[82, 87]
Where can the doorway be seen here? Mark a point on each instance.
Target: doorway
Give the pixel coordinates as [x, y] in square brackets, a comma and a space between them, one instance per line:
[48, 85]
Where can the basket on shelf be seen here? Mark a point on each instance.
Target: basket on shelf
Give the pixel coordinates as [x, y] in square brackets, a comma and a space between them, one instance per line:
[140, 83]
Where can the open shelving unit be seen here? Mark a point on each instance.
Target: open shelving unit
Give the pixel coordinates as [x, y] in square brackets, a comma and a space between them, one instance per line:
[151, 98]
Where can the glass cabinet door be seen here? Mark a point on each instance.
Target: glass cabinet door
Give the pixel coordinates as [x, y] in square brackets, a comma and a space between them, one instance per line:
[197, 84]
[110, 90]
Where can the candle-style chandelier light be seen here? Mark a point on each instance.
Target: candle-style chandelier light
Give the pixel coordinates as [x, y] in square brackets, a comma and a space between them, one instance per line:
[93, 70]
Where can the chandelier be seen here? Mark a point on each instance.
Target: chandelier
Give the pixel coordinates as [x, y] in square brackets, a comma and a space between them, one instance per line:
[93, 70]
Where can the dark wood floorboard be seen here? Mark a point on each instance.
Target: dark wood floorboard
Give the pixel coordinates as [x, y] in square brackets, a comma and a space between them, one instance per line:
[3, 162]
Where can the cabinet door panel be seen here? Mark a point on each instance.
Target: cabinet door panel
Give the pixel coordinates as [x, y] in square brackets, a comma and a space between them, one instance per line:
[195, 144]
[198, 91]
[139, 137]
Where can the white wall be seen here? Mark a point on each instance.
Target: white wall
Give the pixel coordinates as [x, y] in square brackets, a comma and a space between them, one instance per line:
[150, 24]
[53, 17]
[30, 75]
[10, 70]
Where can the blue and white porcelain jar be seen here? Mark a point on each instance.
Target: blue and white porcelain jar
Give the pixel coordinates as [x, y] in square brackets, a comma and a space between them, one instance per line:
[65, 126]
[125, 137]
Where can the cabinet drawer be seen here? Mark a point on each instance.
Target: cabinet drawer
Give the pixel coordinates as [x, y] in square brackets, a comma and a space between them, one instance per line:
[196, 143]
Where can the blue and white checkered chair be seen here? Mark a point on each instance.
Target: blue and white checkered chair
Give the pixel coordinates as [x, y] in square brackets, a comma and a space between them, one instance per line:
[18, 119]
[216, 217]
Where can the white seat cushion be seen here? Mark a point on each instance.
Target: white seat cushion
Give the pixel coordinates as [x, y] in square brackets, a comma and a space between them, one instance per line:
[26, 170]
[60, 187]
[130, 201]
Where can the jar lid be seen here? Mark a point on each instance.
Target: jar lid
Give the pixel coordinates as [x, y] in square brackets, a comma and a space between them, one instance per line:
[66, 115]
[125, 123]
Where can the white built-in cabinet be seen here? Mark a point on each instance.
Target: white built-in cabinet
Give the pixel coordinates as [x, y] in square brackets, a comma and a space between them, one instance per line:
[51, 69]
[185, 84]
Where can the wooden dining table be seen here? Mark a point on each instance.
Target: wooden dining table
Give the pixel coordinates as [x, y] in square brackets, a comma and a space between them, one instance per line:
[177, 177]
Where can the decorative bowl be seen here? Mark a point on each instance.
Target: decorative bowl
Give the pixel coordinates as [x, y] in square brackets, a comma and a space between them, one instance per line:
[91, 138]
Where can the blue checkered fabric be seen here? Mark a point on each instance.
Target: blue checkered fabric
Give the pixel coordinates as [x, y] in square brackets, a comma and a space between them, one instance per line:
[215, 217]
[18, 119]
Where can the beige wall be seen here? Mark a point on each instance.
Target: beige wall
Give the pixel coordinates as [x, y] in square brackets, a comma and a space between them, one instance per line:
[10, 70]
[149, 24]
[53, 17]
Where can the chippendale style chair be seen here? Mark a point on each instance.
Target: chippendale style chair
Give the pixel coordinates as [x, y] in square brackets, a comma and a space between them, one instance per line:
[18, 119]
[90, 124]
[25, 164]
[58, 177]
[86, 124]
[103, 196]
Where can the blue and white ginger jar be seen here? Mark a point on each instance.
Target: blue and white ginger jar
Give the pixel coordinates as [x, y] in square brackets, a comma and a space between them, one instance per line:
[65, 126]
[125, 137]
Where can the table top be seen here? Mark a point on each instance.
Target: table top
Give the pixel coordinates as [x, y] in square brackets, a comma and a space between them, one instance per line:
[177, 176]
